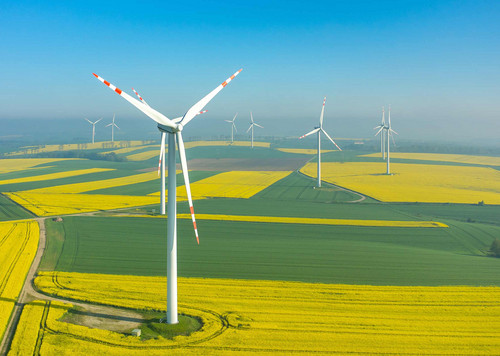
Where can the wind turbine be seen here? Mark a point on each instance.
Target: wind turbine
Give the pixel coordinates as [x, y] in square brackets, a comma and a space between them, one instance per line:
[93, 127]
[389, 132]
[252, 125]
[381, 132]
[233, 126]
[173, 128]
[319, 129]
[113, 125]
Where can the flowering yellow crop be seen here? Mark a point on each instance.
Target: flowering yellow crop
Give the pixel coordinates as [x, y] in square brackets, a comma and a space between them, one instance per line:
[312, 221]
[57, 175]
[303, 151]
[142, 156]
[47, 204]
[282, 317]
[18, 245]
[485, 160]
[27, 329]
[19, 164]
[76, 188]
[131, 149]
[414, 182]
[236, 184]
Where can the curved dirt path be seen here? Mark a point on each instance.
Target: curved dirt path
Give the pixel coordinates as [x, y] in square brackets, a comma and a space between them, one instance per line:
[97, 316]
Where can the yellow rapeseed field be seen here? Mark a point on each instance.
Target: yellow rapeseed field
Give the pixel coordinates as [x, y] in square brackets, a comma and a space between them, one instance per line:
[57, 175]
[19, 164]
[76, 188]
[314, 221]
[414, 182]
[27, 330]
[131, 149]
[143, 156]
[244, 316]
[484, 160]
[236, 184]
[48, 204]
[18, 245]
[303, 151]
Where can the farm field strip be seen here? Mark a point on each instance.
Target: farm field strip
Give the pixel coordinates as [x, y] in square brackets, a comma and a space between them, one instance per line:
[303, 151]
[57, 175]
[75, 146]
[18, 245]
[130, 149]
[307, 221]
[414, 182]
[483, 160]
[235, 184]
[48, 204]
[272, 316]
[77, 188]
[143, 156]
[19, 164]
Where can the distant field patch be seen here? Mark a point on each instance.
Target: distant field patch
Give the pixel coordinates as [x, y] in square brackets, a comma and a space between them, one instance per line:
[414, 182]
[14, 165]
[283, 317]
[54, 175]
[18, 245]
[143, 156]
[48, 204]
[246, 164]
[311, 221]
[130, 149]
[484, 160]
[237, 184]
[226, 143]
[77, 188]
[302, 151]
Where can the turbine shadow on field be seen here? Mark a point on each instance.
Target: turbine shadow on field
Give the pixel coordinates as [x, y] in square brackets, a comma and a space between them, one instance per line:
[105, 316]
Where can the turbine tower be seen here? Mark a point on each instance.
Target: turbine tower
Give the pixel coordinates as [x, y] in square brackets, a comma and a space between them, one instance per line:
[174, 130]
[93, 127]
[113, 125]
[389, 132]
[252, 125]
[233, 126]
[382, 133]
[319, 129]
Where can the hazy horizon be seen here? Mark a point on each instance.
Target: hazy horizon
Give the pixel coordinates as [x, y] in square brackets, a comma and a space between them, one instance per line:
[436, 63]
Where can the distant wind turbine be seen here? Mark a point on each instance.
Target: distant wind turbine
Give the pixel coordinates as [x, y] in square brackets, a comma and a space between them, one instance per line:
[93, 127]
[113, 125]
[252, 125]
[389, 132]
[233, 126]
[174, 130]
[320, 130]
[381, 132]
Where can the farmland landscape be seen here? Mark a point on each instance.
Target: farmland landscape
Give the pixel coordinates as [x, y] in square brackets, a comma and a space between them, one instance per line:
[335, 270]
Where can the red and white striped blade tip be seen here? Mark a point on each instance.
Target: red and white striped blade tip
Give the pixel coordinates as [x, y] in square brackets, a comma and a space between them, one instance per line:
[226, 82]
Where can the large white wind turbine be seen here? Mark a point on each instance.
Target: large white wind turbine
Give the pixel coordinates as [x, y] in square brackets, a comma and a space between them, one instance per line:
[389, 132]
[252, 125]
[381, 131]
[113, 125]
[93, 127]
[233, 126]
[320, 130]
[174, 130]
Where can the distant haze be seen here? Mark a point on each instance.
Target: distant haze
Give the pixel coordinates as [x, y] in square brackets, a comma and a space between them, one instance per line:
[436, 63]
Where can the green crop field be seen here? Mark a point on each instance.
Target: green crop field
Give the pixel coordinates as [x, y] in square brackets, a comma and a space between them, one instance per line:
[11, 211]
[328, 254]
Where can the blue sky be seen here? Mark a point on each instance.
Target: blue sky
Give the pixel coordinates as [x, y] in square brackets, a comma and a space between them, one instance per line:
[436, 62]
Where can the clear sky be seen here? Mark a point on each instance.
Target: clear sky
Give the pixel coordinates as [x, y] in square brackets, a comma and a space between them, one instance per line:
[436, 62]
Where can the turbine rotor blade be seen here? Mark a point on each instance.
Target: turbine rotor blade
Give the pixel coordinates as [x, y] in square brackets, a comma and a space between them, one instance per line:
[310, 133]
[140, 97]
[234, 118]
[149, 111]
[250, 127]
[89, 121]
[196, 108]
[322, 113]
[234, 126]
[251, 117]
[162, 147]
[182, 154]
[331, 139]
[258, 125]
[379, 131]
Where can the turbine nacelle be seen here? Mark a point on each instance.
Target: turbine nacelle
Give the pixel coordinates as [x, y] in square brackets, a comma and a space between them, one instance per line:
[175, 129]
